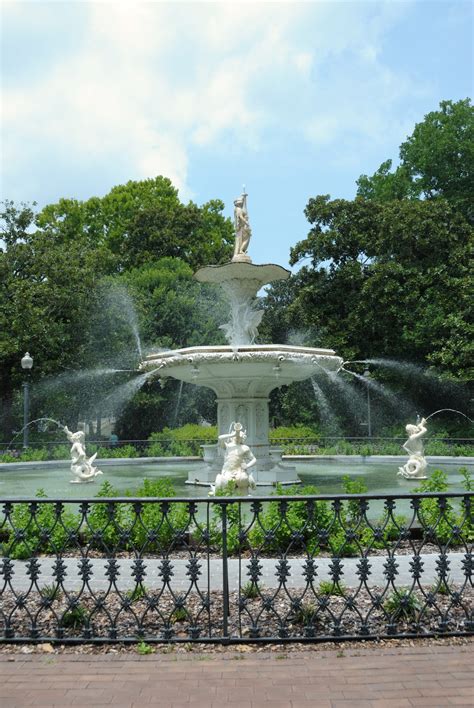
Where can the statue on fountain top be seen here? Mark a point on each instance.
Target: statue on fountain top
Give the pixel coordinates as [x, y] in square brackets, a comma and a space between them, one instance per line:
[242, 229]
[416, 466]
[82, 467]
[238, 458]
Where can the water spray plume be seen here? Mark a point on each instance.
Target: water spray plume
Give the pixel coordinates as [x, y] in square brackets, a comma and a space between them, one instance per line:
[452, 410]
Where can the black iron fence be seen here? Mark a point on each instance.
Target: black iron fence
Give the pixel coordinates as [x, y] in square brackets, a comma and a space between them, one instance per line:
[273, 569]
[172, 447]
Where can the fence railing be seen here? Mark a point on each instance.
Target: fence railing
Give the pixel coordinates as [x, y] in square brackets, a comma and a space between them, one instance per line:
[59, 449]
[272, 569]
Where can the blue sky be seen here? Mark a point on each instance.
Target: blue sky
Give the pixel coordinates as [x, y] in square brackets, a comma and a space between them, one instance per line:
[293, 99]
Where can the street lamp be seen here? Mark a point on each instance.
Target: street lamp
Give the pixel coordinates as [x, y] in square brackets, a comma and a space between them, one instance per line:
[369, 417]
[26, 364]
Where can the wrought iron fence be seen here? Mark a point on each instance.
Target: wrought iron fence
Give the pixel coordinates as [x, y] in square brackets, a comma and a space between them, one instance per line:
[171, 447]
[272, 569]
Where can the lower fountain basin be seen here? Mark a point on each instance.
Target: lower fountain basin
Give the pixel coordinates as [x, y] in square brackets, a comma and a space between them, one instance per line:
[243, 377]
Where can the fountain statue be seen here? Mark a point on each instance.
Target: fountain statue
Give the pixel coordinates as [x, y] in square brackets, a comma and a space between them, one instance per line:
[416, 465]
[242, 373]
[82, 467]
[242, 229]
[238, 459]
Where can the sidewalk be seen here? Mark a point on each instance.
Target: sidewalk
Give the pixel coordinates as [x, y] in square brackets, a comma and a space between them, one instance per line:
[374, 677]
[237, 570]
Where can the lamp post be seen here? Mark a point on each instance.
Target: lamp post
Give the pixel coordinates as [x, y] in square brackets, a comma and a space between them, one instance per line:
[26, 365]
[369, 416]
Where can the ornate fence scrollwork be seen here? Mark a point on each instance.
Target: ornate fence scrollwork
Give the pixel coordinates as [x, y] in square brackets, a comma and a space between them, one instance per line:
[228, 569]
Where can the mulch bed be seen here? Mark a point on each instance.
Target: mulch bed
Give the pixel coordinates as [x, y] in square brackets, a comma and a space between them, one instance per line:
[189, 616]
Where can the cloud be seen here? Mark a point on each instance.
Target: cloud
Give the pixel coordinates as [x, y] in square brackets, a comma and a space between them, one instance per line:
[147, 83]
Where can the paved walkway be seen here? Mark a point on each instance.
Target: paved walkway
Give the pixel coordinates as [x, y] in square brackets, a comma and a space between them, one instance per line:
[180, 580]
[377, 677]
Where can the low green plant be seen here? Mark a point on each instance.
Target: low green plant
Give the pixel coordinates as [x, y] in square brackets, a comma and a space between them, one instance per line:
[402, 605]
[305, 613]
[138, 593]
[38, 527]
[143, 648]
[250, 590]
[74, 618]
[442, 587]
[329, 587]
[436, 520]
[51, 592]
[287, 526]
[180, 614]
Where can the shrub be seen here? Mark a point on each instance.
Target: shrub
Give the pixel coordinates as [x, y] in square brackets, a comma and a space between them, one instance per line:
[329, 587]
[287, 526]
[436, 516]
[402, 605]
[39, 528]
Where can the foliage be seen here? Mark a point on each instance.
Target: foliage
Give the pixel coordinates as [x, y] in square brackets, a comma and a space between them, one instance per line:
[435, 161]
[387, 259]
[185, 441]
[40, 528]
[287, 526]
[143, 648]
[74, 618]
[437, 516]
[329, 587]
[402, 605]
[250, 590]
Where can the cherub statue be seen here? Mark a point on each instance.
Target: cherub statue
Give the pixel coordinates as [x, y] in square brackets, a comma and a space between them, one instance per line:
[416, 466]
[238, 458]
[81, 466]
[242, 228]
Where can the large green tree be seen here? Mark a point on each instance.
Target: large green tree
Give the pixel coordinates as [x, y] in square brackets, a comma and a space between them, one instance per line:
[437, 160]
[144, 220]
[81, 280]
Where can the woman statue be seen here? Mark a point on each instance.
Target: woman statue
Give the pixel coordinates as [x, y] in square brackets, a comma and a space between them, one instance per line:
[242, 229]
[416, 466]
[237, 459]
[81, 466]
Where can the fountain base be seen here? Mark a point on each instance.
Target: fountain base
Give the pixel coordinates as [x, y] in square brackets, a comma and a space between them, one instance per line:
[267, 471]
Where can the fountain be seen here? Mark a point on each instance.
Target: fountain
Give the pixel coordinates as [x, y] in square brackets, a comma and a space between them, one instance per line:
[242, 373]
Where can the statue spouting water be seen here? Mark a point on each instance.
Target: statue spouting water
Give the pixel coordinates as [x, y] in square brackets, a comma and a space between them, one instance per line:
[238, 458]
[416, 465]
[82, 467]
[242, 229]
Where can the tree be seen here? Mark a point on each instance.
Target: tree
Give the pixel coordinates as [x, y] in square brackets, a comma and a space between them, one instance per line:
[143, 221]
[46, 293]
[397, 283]
[437, 160]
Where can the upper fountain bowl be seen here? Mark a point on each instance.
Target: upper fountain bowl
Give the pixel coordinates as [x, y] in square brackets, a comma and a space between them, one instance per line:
[247, 370]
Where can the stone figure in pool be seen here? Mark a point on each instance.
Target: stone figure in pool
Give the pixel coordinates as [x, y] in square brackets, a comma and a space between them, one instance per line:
[242, 229]
[82, 467]
[238, 458]
[416, 466]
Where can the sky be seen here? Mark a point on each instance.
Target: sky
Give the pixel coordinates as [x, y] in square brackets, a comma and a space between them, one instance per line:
[292, 99]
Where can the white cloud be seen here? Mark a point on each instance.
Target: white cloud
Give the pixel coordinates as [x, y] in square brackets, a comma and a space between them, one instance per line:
[151, 80]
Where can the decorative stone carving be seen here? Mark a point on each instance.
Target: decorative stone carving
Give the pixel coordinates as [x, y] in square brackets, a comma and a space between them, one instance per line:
[82, 467]
[416, 466]
[238, 458]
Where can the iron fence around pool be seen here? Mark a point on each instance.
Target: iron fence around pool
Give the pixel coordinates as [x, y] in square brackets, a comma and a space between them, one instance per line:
[228, 569]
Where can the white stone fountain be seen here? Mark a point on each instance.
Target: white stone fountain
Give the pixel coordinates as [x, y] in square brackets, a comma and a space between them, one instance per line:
[243, 374]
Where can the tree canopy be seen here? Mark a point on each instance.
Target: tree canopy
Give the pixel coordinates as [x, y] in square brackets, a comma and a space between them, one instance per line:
[74, 275]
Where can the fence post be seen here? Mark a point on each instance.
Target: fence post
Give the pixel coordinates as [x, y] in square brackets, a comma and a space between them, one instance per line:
[225, 574]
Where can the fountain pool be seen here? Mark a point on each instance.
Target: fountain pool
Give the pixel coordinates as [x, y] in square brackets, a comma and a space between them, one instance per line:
[24, 479]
